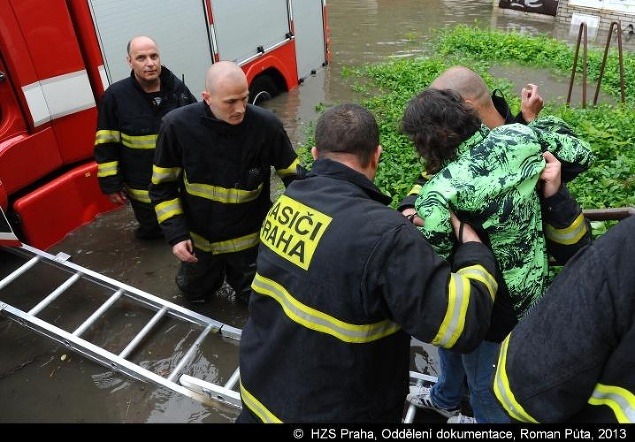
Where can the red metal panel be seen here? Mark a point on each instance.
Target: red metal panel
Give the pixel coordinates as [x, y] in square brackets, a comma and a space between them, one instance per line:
[49, 213]
[76, 134]
[282, 59]
[50, 36]
[88, 43]
[27, 158]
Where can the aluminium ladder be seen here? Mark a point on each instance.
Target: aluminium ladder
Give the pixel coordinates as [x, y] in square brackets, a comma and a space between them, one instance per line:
[115, 293]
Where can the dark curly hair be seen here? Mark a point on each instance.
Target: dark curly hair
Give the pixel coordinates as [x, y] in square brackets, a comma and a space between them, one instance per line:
[438, 121]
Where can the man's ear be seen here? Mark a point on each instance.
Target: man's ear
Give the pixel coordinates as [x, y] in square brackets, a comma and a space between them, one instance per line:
[377, 156]
[205, 96]
[314, 152]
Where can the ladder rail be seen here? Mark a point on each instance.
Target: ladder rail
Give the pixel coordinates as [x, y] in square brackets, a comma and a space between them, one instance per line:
[120, 291]
[225, 330]
[96, 353]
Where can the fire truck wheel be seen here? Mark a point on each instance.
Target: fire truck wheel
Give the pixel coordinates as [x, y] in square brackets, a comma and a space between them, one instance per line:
[262, 88]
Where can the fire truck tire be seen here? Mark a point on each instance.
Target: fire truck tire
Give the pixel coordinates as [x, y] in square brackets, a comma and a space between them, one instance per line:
[262, 88]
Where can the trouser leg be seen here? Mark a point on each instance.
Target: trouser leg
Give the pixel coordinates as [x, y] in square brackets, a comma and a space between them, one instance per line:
[146, 216]
[480, 366]
[241, 269]
[450, 389]
[200, 280]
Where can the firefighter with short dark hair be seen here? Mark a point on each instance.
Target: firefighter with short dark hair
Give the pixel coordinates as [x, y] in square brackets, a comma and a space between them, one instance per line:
[343, 282]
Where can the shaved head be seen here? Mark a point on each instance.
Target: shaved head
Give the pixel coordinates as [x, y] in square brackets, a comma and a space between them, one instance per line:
[223, 73]
[465, 81]
[226, 91]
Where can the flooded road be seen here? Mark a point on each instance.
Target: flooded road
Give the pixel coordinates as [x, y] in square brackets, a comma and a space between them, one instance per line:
[42, 381]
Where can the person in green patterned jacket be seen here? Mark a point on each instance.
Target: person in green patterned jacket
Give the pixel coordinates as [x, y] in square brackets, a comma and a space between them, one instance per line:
[488, 177]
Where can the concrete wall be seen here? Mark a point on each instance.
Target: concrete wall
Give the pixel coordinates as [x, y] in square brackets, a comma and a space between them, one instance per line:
[602, 15]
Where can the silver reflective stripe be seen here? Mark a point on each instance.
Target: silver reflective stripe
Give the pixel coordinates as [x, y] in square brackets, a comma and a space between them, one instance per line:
[619, 399]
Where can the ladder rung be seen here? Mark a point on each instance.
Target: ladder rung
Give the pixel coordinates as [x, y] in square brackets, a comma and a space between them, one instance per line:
[190, 354]
[144, 332]
[105, 306]
[54, 294]
[19, 271]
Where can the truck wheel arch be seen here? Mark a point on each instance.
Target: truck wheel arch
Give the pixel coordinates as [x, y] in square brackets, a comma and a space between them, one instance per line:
[265, 86]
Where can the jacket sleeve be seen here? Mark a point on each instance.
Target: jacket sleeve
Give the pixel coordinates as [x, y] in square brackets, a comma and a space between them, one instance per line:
[285, 159]
[447, 305]
[558, 138]
[433, 206]
[167, 177]
[107, 147]
[409, 200]
[566, 229]
[551, 363]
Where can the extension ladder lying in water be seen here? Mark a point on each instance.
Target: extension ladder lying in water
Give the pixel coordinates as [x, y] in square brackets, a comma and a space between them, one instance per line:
[109, 295]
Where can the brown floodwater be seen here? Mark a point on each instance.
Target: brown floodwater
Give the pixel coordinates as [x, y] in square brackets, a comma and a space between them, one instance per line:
[43, 381]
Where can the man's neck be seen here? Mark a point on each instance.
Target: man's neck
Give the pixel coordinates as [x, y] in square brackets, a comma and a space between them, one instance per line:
[149, 86]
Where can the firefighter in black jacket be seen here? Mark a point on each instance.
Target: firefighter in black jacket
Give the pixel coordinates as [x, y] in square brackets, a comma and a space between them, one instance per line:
[343, 282]
[572, 358]
[211, 183]
[130, 113]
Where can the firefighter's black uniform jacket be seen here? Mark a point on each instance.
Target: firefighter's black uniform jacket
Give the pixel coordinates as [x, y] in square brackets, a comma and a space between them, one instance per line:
[572, 358]
[127, 128]
[211, 179]
[342, 284]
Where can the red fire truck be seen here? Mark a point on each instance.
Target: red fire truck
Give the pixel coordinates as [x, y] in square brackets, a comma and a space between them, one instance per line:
[58, 56]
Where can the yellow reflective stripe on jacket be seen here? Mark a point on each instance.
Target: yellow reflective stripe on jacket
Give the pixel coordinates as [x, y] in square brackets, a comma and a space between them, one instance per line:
[458, 300]
[168, 209]
[569, 235]
[619, 399]
[454, 320]
[227, 246]
[107, 136]
[292, 169]
[503, 391]
[107, 169]
[257, 407]
[319, 321]
[222, 194]
[138, 194]
[165, 174]
[139, 141]
[479, 273]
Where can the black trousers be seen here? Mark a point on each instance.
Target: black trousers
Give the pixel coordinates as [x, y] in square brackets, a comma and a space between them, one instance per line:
[200, 280]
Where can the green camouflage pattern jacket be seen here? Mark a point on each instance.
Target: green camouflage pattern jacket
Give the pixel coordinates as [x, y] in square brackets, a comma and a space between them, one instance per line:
[491, 184]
